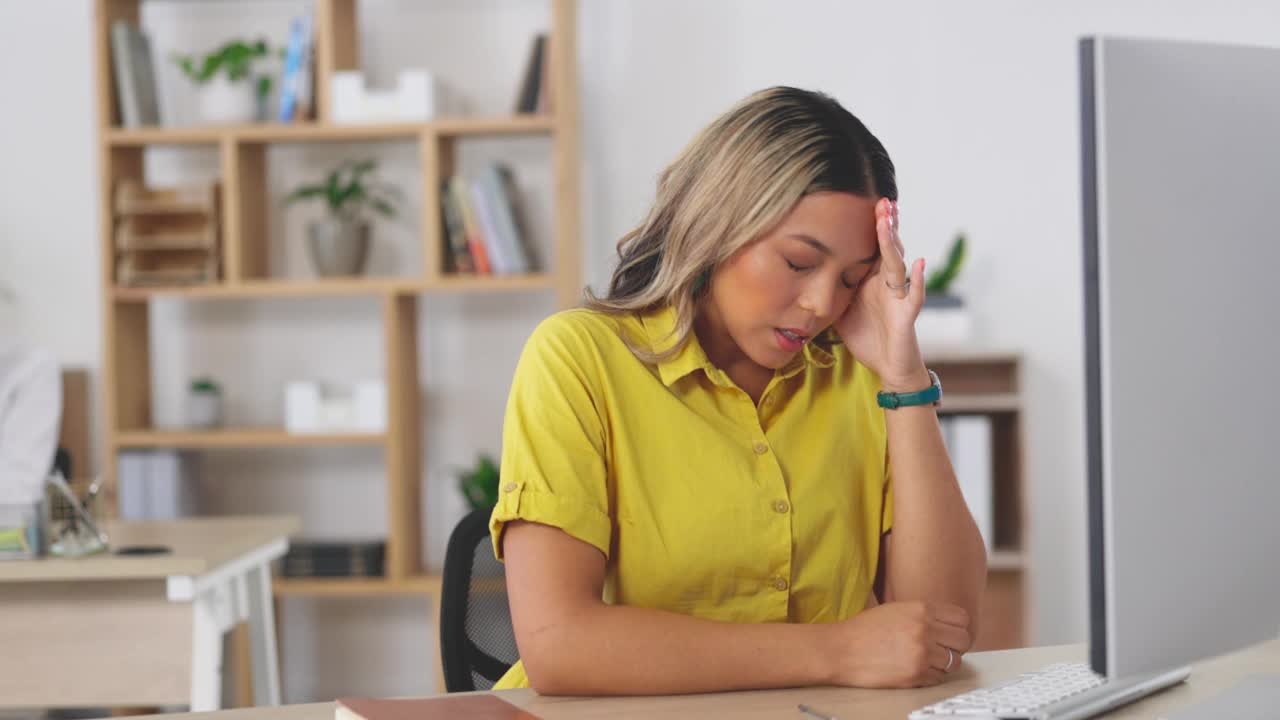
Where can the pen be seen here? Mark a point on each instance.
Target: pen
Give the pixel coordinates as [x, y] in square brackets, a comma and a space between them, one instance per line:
[815, 714]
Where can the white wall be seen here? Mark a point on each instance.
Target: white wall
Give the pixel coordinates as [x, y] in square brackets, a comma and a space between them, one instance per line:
[976, 102]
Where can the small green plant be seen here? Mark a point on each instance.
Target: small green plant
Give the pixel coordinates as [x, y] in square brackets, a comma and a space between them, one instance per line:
[235, 59]
[939, 281]
[348, 190]
[205, 385]
[479, 484]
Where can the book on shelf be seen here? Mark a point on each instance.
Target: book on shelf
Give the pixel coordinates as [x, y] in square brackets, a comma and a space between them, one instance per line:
[463, 707]
[457, 254]
[296, 80]
[546, 95]
[968, 442]
[137, 101]
[531, 97]
[460, 195]
[498, 189]
[334, 559]
[482, 224]
[155, 485]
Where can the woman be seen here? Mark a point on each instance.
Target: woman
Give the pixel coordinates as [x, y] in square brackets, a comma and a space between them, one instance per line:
[697, 493]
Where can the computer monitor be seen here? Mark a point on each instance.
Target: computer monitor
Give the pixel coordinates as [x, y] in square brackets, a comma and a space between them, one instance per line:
[1181, 199]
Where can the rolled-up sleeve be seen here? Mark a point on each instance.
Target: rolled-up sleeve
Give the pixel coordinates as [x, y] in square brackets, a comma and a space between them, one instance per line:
[553, 440]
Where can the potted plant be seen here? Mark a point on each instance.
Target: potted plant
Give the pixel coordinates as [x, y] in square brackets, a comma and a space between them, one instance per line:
[339, 243]
[204, 404]
[229, 93]
[944, 318]
[479, 485]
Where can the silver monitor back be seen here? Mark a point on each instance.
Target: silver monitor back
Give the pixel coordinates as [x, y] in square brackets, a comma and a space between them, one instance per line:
[1181, 151]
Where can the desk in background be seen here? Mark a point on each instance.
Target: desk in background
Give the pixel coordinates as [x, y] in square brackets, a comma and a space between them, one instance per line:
[111, 630]
[980, 669]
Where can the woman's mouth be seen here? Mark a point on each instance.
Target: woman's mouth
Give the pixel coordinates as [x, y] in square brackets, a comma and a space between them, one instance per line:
[790, 340]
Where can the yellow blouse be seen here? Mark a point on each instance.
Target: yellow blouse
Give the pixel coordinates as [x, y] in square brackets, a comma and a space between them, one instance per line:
[702, 502]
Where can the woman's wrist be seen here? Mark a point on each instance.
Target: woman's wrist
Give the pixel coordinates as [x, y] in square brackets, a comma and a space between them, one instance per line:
[910, 382]
[818, 646]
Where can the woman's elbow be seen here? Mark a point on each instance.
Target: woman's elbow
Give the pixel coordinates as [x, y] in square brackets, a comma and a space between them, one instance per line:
[549, 674]
[548, 663]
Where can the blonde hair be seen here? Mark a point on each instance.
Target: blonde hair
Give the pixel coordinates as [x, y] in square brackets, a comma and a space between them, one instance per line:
[737, 179]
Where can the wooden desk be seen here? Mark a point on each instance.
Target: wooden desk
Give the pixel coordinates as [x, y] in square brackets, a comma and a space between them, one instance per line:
[1206, 680]
[113, 630]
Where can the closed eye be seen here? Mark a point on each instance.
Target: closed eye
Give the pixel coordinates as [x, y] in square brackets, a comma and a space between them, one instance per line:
[798, 268]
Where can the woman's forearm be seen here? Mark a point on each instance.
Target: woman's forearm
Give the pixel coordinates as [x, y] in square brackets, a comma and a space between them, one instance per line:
[937, 551]
[616, 650]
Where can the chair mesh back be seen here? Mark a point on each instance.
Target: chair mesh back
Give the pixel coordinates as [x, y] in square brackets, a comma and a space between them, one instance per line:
[488, 619]
[477, 642]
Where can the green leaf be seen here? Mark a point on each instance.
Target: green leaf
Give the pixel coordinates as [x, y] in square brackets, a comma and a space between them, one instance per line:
[234, 58]
[204, 385]
[480, 484]
[331, 191]
[361, 168]
[188, 67]
[209, 67]
[264, 85]
[306, 192]
[383, 207]
[352, 193]
[940, 280]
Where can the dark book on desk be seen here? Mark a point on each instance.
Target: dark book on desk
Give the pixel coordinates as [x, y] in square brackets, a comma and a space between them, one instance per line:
[464, 707]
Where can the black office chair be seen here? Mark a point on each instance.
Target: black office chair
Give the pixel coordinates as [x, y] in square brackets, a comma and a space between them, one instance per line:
[477, 642]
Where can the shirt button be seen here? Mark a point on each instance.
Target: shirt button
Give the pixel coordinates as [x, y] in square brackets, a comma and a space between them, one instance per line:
[781, 506]
[509, 487]
[779, 583]
[761, 448]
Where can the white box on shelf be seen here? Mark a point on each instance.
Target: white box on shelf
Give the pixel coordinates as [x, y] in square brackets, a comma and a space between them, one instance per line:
[371, 406]
[944, 326]
[313, 408]
[302, 407]
[417, 97]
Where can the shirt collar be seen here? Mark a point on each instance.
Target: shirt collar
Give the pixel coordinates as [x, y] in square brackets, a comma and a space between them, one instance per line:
[658, 325]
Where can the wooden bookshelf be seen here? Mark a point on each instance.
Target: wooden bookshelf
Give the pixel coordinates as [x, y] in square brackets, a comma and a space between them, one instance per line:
[372, 286]
[355, 587]
[244, 438]
[247, 275]
[989, 384]
[321, 132]
[979, 404]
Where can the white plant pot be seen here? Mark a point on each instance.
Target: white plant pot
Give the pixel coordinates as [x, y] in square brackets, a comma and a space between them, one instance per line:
[223, 102]
[204, 410]
[944, 321]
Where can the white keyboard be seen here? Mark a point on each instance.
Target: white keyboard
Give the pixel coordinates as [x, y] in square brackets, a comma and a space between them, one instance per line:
[1023, 697]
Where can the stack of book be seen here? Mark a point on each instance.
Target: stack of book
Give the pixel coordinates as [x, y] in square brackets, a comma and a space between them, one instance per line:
[166, 236]
[968, 442]
[482, 225]
[334, 559]
[156, 485]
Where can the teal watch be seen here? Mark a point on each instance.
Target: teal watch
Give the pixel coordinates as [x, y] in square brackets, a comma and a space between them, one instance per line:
[930, 395]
